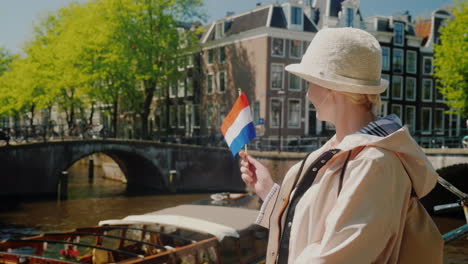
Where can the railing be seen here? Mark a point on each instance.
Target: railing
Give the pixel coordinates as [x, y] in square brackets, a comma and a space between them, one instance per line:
[448, 138]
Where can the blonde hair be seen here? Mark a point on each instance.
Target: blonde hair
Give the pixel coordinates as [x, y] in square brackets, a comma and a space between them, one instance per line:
[371, 101]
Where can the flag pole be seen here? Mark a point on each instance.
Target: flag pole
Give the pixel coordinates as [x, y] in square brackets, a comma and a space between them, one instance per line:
[245, 146]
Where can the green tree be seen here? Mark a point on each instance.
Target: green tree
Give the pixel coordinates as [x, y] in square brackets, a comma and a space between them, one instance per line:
[451, 59]
[153, 38]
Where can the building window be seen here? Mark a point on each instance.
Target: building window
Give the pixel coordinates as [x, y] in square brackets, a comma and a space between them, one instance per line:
[210, 56]
[189, 116]
[181, 63]
[221, 55]
[209, 115]
[172, 89]
[209, 83]
[306, 45]
[294, 113]
[410, 89]
[276, 106]
[277, 47]
[439, 117]
[181, 88]
[386, 92]
[397, 110]
[349, 17]
[397, 87]
[410, 118]
[196, 116]
[296, 15]
[398, 34]
[221, 114]
[427, 90]
[295, 49]
[426, 120]
[438, 95]
[190, 61]
[181, 118]
[383, 109]
[173, 116]
[411, 61]
[427, 65]
[385, 58]
[256, 112]
[222, 81]
[398, 60]
[277, 76]
[294, 82]
[162, 117]
[189, 86]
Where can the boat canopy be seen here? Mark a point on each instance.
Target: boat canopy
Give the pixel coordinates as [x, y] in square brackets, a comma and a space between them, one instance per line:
[215, 220]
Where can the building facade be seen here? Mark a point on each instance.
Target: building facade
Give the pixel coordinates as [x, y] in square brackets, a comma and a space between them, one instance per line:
[249, 51]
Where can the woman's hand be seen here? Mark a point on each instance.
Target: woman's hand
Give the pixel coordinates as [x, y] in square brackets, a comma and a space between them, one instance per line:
[255, 175]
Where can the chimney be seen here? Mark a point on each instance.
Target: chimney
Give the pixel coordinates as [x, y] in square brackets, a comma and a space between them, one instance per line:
[229, 13]
[259, 4]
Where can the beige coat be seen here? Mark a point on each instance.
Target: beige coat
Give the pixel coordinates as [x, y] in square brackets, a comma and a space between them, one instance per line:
[364, 224]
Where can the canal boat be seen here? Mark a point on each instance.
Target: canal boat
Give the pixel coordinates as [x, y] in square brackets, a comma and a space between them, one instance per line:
[185, 234]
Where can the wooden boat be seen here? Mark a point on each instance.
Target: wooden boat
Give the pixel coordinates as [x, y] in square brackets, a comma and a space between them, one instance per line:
[185, 234]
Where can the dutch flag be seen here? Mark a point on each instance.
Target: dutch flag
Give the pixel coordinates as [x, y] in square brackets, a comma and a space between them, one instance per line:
[238, 128]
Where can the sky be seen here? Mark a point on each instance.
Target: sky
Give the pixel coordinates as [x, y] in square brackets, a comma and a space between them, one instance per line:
[17, 16]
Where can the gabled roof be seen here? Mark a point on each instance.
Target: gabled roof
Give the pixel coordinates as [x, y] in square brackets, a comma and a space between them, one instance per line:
[423, 30]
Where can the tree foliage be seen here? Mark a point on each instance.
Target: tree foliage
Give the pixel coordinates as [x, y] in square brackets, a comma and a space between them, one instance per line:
[451, 59]
[106, 53]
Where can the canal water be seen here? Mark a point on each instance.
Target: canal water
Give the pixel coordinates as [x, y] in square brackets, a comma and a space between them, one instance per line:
[89, 202]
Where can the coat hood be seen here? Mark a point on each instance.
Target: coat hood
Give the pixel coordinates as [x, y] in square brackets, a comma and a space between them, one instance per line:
[420, 170]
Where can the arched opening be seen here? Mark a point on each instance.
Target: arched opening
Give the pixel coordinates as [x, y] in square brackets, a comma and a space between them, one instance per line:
[95, 176]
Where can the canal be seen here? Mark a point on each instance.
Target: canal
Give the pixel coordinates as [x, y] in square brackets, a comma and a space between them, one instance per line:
[103, 198]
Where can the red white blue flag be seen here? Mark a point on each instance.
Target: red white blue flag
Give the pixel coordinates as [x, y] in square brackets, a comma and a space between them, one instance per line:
[238, 128]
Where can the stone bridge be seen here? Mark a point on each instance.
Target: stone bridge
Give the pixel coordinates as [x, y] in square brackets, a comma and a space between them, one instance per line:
[35, 169]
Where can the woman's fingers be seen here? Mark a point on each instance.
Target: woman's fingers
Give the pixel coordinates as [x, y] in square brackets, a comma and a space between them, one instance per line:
[246, 178]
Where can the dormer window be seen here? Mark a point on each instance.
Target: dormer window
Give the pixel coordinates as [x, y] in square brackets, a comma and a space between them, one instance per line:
[296, 15]
[219, 30]
[349, 17]
[398, 34]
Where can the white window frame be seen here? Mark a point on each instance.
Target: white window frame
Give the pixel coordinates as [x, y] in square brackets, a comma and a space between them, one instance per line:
[401, 87]
[221, 118]
[386, 93]
[431, 90]
[384, 108]
[402, 60]
[413, 127]
[415, 61]
[282, 76]
[300, 16]
[289, 82]
[442, 129]
[436, 91]
[195, 108]
[284, 48]
[424, 65]
[300, 49]
[219, 82]
[212, 83]
[190, 60]
[402, 33]
[415, 87]
[348, 15]
[181, 117]
[219, 54]
[171, 121]
[401, 110]
[181, 88]
[189, 80]
[208, 57]
[389, 59]
[281, 112]
[172, 85]
[426, 132]
[300, 112]
[208, 117]
[305, 45]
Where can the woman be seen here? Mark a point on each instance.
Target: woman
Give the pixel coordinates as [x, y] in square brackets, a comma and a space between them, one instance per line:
[354, 200]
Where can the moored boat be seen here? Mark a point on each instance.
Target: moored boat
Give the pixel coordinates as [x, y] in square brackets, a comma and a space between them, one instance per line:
[185, 234]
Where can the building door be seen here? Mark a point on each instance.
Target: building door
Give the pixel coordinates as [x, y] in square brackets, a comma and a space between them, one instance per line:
[312, 121]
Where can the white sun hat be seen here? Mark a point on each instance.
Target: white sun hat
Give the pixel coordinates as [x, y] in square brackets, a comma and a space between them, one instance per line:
[343, 59]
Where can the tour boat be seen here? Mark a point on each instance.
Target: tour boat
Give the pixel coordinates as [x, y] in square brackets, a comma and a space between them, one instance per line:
[185, 234]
